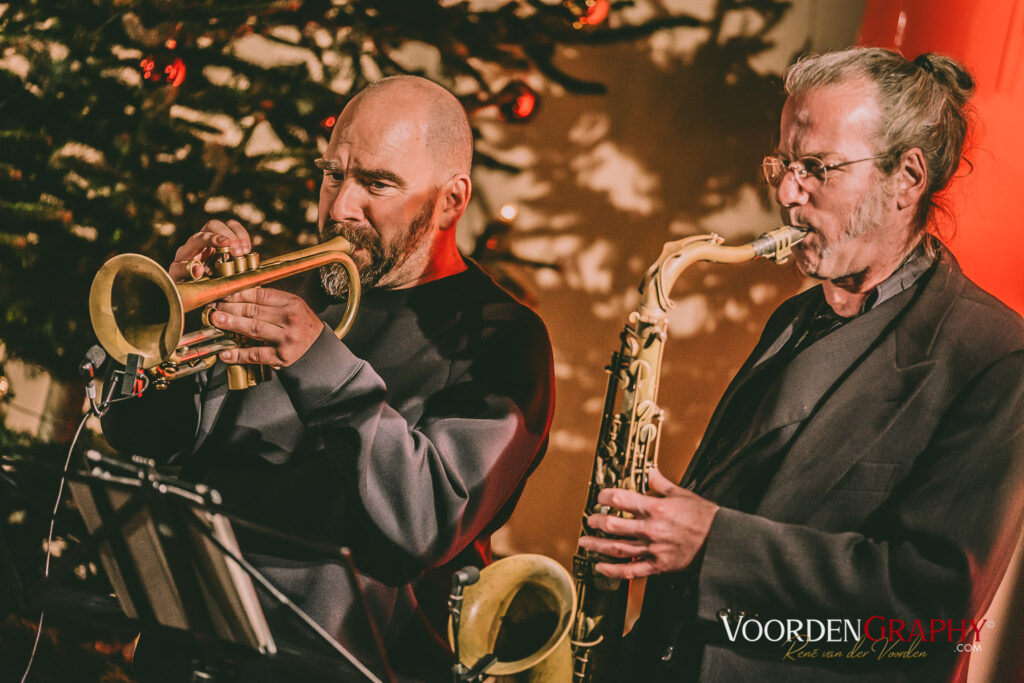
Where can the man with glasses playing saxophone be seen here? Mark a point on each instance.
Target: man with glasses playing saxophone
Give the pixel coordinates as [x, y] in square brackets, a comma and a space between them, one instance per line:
[410, 440]
[866, 459]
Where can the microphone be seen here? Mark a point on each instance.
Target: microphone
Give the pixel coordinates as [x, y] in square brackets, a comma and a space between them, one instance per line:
[87, 367]
[94, 358]
[466, 576]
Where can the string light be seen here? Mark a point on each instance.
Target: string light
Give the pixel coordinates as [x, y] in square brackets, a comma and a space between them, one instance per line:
[508, 213]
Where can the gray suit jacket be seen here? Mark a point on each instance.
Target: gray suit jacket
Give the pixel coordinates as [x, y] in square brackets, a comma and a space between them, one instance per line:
[899, 491]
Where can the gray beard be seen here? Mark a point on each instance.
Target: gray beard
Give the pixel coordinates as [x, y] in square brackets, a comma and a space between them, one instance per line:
[383, 258]
[866, 217]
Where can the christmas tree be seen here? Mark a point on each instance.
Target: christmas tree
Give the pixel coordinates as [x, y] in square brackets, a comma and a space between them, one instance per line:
[126, 125]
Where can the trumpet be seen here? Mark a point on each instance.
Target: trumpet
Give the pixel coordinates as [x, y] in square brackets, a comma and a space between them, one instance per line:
[136, 308]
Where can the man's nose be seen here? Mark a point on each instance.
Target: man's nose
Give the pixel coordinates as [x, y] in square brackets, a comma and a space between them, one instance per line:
[789, 191]
[347, 205]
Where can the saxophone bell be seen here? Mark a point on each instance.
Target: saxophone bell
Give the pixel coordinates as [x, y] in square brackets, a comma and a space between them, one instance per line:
[518, 616]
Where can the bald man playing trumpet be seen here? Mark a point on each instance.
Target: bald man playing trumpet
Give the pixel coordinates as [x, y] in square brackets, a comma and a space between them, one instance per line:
[409, 441]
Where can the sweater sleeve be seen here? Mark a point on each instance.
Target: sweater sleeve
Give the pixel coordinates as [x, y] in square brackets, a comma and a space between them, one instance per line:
[430, 488]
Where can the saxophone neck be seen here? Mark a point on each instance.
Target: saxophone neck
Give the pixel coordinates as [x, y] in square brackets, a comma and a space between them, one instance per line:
[679, 255]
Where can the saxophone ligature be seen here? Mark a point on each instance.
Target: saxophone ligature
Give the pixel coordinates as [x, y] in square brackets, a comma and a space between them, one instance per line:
[136, 308]
[534, 620]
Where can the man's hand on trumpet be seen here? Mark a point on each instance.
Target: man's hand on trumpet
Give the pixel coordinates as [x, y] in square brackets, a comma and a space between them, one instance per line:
[283, 321]
[191, 258]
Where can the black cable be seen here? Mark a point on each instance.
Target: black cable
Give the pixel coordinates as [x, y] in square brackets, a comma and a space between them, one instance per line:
[97, 411]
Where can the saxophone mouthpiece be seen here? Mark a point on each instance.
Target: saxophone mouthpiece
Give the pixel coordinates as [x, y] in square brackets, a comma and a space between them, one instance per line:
[778, 244]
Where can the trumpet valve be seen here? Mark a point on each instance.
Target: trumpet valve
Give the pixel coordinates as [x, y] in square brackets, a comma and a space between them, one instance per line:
[224, 264]
[238, 377]
[162, 374]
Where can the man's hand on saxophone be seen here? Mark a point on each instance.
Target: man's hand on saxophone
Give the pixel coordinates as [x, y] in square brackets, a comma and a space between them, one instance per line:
[666, 532]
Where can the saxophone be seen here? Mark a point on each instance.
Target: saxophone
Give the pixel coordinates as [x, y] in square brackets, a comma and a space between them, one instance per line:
[627, 446]
[585, 613]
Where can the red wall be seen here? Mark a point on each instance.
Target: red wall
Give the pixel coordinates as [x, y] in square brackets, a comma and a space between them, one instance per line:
[988, 37]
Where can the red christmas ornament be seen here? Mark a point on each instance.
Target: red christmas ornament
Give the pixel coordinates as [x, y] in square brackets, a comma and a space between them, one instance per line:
[163, 69]
[588, 12]
[329, 122]
[517, 102]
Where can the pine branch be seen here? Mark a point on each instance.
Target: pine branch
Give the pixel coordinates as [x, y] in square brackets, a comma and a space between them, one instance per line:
[628, 33]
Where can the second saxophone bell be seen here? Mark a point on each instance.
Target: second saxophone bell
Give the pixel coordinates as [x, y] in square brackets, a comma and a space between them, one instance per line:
[136, 308]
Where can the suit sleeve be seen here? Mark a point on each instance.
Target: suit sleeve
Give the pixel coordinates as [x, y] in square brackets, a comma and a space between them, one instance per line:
[428, 489]
[935, 549]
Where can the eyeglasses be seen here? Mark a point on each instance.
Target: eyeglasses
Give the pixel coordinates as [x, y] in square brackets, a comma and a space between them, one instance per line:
[811, 172]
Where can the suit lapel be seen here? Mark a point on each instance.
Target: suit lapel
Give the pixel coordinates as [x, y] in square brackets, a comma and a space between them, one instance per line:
[864, 406]
[775, 336]
[809, 378]
[815, 370]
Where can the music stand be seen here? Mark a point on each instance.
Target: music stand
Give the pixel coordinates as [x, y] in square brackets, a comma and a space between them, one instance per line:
[173, 560]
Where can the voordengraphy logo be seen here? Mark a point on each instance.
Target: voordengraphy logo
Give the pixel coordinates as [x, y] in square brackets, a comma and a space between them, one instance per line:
[874, 629]
[966, 630]
[877, 628]
[879, 636]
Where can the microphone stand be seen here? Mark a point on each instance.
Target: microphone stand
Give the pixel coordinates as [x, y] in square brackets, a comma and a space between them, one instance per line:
[466, 576]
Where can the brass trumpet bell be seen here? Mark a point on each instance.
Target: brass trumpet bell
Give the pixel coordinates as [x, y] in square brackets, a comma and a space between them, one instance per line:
[135, 307]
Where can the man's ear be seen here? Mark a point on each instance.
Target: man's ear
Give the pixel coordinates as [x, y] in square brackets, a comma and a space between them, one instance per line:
[911, 179]
[457, 192]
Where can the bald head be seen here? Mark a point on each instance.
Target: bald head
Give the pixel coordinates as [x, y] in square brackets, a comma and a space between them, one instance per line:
[396, 181]
[446, 129]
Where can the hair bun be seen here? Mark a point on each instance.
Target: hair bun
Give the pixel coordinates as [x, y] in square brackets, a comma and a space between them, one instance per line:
[949, 73]
[925, 63]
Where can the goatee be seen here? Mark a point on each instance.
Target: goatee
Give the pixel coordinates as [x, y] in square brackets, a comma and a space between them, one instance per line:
[379, 259]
